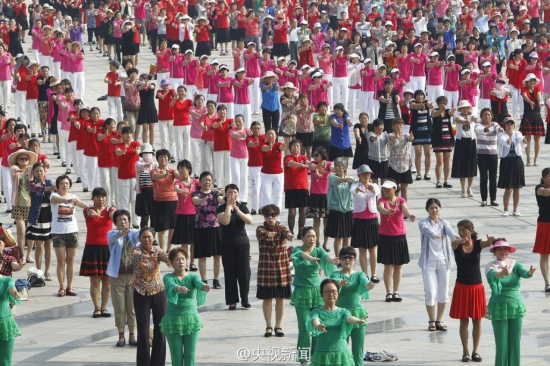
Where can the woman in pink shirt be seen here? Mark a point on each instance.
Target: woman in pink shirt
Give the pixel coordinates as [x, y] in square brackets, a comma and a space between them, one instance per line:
[55, 71]
[197, 110]
[435, 81]
[340, 79]
[5, 77]
[318, 39]
[467, 89]
[452, 76]
[201, 80]
[190, 69]
[76, 60]
[366, 95]
[176, 67]
[472, 55]
[320, 168]
[212, 76]
[163, 61]
[238, 157]
[36, 33]
[252, 67]
[225, 91]
[242, 100]
[418, 68]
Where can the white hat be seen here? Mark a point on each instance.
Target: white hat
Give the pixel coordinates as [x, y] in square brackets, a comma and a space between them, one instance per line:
[281, 58]
[338, 48]
[304, 22]
[534, 55]
[203, 57]
[418, 44]
[388, 184]
[433, 54]
[343, 29]
[388, 23]
[270, 74]
[464, 104]
[394, 70]
[289, 85]
[451, 56]
[326, 45]
[408, 91]
[250, 44]
[224, 67]
[465, 71]
[373, 6]
[240, 69]
[305, 66]
[486, 63]
[525, 21]
[529, 77]
[146, 148]
[323, 11]
[381, 66]
[389, 43]
[186, 17]
[514, 30]
[354, 55]
[317, 25]
[367, 60]
[175, 46]
[523, 7]
[189, 51]
[292, 62]
[266, 17]
[214, 61]
[316, 75]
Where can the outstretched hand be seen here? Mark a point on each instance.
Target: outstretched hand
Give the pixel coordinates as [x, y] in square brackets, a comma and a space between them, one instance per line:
[321, 327]
[532, 271]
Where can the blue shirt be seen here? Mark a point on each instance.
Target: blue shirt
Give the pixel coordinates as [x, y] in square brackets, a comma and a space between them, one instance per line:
[270, 98]
[116, 244]
[449, 38]
[339, 137]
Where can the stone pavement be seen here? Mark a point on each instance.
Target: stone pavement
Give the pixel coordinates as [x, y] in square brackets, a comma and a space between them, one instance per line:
[61, 331]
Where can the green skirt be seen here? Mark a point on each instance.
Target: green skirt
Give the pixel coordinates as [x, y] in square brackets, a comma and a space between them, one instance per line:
[504, 311]
[180, 324]
[306, 298]
[8, 328]
[342, 358]
[359, 313]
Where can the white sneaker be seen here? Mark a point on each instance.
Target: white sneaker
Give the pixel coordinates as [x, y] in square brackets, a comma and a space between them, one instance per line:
[505, 213]
[516, 213]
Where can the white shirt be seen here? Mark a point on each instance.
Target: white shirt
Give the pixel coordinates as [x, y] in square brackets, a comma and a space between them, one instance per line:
[293, 35]
[465, 131]
[162, 26]
[63, 220]
[421, 25]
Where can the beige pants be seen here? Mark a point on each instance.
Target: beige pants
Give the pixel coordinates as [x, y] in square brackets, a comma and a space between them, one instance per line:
[123, 300]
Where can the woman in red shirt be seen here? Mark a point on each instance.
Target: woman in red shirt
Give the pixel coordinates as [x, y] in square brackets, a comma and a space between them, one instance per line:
[516, 73]
[254, 144]
[280, 40]
[107, 177]
[222, 146]
[222, 36]
[182, 124]
[202, 37]
[91, 147]
[272, 170]
[207, 138]
[99, 220]
[296, 167]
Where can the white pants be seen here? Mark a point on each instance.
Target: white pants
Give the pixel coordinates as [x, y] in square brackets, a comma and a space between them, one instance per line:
[166, 130]
[56, 69]
[5, 91]
[239, 176]
[203, 92]
[222, 168]
[272, 189]
[244, 109]
[207, 153]
[517, 102]
[434, 92]
[196, 153]
[418, 83]
[31, 106]
[162, 75]
[340, 88]
[81, 161]
[315, 61]
[230, 109]
[107, 180]
[191, 89]
[74, 159]
[64, 151]
[46, 61]
[8, 184]
[78, 82]
[126, 197]
[115, 108]
[330, 94]
[255, 94]
[255, 186]
[114, 178]
[20, 99]
[36, 54]
[436, 282]
[484, 103]
[65, 75]
[376, 108]
[352, 103]
[212, 97]
[91, 171]
[182, 137]
[175, 82]
[452, 98]
[366, 104]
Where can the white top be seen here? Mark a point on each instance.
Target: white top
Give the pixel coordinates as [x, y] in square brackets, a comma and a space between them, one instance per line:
[421, 25]
[465, 131]
[63, 219]
[293, 35]
[504, 145]
[162, 26]
[364, 199]
[122, 74]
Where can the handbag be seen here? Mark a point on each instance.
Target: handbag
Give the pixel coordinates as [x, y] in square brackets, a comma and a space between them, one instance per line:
[8, 236]
[23, 286]
[36, 277]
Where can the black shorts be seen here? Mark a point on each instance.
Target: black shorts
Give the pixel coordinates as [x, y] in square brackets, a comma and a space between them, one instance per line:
[305, 138]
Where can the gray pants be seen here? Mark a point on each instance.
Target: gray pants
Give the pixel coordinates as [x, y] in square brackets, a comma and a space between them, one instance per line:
[293, 51]
[255, 39]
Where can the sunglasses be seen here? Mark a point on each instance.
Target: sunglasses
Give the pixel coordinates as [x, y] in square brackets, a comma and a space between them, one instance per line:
[350, 257]
[270, 214]
[316, 154]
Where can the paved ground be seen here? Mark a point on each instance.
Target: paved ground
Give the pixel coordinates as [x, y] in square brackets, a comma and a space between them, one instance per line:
[61, 331]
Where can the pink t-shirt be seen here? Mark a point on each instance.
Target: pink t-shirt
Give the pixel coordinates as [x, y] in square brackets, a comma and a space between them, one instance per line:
[267, 65]
[56, 53]
[451, 79]
[63, 115]
[252, 64]
[326, 65]
[340, 67]
[163, 62]
[418, 69]
[319, 179]
[176, 67]
[318, 41]
[225, 93]
[365, 215]
[76, 64]
[185, 200]
[367, 80]
[241, 92]
[213, 84]
[5, 67]
[468, 92]
[190, 72]
[434, 75]
[196, 129]
[392, 225]
[441, 7]
[239, 149]
[473, 58]
[486, 86]
[404, 66]
[546, 81]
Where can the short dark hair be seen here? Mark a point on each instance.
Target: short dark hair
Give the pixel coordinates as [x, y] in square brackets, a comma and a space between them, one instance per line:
[326, 281]
[121, 213]
[175, 251]
[186, 164]
[99, 191]
[271, 208]
[432, 200]
[126, 130]
[322, 152]
[231, 186]
[63, 177]
[162, 152]
[145, 229]
[347, 251]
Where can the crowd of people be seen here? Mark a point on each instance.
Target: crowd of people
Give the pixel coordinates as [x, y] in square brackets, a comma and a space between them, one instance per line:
[403, 79]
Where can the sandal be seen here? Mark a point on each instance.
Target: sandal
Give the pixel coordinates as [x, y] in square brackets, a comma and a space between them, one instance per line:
[268, 333]
[536, 163]
[375, 279]
[216, 284]
[326, 249]
[440, 326]
[389, 297]
[48, 277]
[465, 357]
[396, 297]
[193, 268]
[547, 288]
[70, 292]
[121, 342]
[431, 328]
[132, 342]
[96, 314]
[427, 177]
[105, 313]
[419, 177]
[476, 357]
[61, 293]
[279, 332]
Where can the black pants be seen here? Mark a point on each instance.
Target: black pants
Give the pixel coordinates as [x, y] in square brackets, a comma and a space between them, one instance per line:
[488, 166]
[153, 35]
[271, 119]
[236, 269]
[91, 32]
[118, 48]
[143, 305]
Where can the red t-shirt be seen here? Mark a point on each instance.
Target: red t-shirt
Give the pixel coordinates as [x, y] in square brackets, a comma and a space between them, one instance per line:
[208, 135]
[22, 84]
[116, 158]
[166, 112]
[295, 178]
[32, 87]
[106, 152]
[92, 145]
[181, 113]
[112, 89]
[127, 168]
[255, 153]
[73, 131]
[7, 150]
[223, 19]
[222, 140]
[98, 227]
[272, 160]
[81, 134]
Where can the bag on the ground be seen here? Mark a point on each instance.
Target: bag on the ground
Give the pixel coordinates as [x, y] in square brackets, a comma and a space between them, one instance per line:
[36, 277]
[8, 236]
[23, 286]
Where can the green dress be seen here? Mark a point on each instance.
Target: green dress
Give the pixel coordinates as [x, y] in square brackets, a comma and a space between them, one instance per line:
[8, 328]
[181, 315]
[331, 348]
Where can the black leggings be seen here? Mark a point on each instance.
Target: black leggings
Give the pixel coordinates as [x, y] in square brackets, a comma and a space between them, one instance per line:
[153, 34]
[91, 32]
[488, 165]
[271, 119]
[118, 48]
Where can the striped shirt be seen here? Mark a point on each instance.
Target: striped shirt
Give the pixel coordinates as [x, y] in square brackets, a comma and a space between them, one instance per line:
[378, 150]
[487, 141]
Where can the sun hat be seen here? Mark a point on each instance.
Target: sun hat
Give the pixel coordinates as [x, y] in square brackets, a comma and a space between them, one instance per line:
[367, 60]
[270, 74]
[317, 75]
[292, 62]
[78, 44]
[12, 159]
[508, 120]
[388, 24]
[305, 66]
[418, 45]
[465, 71]
[354, 55]
[304, 22]
[500, 81]
[343, 29]
[224, 67]
[251, 44]
[499, 244]
[240, 69]
[175, 46]
[164, 82]
[55, 81]
[486, 63]
[146, 148]
[381, 66]
[388, 184]
[388, 43]
[451, 56]
[534, 55]
[189, 51]
[203, 57]
[464, 104]
[326, 45]
[364, 169]
[410, 91]
[433, 54]
[530, 77]
[317, 25]
[339, 48]
[394, 70]
[281, 58]
[214, 62]
[523, 7]
[289, 85]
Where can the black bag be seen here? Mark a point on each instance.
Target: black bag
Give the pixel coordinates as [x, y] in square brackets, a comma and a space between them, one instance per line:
[36, 281]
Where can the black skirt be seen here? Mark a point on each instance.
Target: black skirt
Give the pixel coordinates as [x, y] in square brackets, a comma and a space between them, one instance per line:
[532, 124]
[42, 230]
[306, 138]
[318, 144]
[364, 233]
[393, 249]
[512, 173]
[547, 139]
[279, 292]
[400, 178]
[280, 50]
[144, 202]
[203, 48]
[185, 229]
[380, 169]
[147, 115]
[335, 152]
[165, 215]
[234, 34]
[464, 159]
[95, 260]
[207, 242]
[222, 35]
[361, 156]
[339, 224]
[295, 198]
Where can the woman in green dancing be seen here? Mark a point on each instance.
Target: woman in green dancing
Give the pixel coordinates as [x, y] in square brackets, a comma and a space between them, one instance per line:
[8, 328]
[307, 259]
[354, 286]
[181, 324]
[331, 326]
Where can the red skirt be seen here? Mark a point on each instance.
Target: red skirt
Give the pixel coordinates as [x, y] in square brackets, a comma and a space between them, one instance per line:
[542, 241]
[468, 301]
